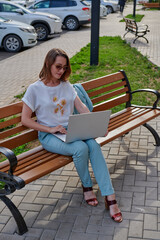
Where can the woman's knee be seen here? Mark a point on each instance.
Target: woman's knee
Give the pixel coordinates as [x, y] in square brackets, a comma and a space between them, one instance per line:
[80, 149]
[92, 145]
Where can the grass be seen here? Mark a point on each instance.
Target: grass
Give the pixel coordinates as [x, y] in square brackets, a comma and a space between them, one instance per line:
[137, 18]
[115, 54]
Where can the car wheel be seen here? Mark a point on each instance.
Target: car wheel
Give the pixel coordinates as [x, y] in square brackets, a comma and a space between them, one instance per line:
[71, 23]
[42, 31]
[109, 9]
[12, 43]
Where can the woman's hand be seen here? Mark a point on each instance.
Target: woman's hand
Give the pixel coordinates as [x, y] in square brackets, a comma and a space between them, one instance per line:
[59, 129]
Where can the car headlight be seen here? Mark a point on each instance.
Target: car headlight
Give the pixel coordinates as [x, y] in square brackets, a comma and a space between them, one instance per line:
[29, 30]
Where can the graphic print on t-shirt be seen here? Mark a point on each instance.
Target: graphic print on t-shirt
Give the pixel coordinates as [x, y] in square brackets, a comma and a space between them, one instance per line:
[60, 105]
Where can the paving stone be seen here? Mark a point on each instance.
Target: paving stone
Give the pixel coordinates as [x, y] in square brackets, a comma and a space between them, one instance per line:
[45, 212]
[103, 237]
[30, 196]
[59, 217]
[44, 224]
[138, 198]
[151, 234]
[30, 218]
[120, 234]
[11, 237]
[80, 224]
[47, 201]
[45, 191]
[151, 193]
[84, 236]
[135, 229]
[108, 231]
[64, 231]
[150, 222]
[48, 235]
[10, 227]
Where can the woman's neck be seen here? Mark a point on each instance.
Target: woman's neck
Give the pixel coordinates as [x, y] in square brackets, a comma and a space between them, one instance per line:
[51, 83]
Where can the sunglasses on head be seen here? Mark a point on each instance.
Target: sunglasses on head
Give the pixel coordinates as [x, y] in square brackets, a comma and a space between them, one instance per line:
[59, 67]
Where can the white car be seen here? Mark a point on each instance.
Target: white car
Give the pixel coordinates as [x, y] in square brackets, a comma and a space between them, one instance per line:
[112, 6]
[15, 35]
[72, 12]
[103, 9]
[24, 3]
[45, 24]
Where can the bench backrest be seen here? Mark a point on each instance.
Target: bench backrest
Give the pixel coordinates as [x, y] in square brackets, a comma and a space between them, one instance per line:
[152, 5]
[105, 92]
[131, 25]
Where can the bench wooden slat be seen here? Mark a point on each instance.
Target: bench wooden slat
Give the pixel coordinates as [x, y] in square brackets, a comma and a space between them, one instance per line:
[45, 168]
[109, 95]
[10, 110]
[21, 139]
[106, 89]
[102, 81]
[111, 103]
[123, 119]
[12, 131]
[118, 132]
[35, 162]
[10, 122]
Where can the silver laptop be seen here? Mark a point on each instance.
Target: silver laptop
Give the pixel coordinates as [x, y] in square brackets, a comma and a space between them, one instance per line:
[85, 126]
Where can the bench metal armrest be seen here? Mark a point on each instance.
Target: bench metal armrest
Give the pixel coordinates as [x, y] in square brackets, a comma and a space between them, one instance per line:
[150, 91]
[11, 182]
[143, 27]
[11, 157]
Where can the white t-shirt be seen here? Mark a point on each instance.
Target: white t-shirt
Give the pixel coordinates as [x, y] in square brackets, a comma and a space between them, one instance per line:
[52, 105]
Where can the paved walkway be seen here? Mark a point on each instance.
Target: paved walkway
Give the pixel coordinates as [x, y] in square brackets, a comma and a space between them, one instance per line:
[53, 206]
[19, 71]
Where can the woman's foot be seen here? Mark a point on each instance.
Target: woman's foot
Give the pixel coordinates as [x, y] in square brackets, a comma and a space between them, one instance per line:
[89, 196]
[115, 212]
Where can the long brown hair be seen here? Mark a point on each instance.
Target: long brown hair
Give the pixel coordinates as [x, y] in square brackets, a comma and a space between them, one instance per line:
[45, 73]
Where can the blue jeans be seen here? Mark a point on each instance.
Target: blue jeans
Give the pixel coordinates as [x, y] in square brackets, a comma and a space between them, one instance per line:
[81, 152]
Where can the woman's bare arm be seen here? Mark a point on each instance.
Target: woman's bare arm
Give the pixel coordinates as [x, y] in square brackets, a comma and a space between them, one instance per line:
[80, 106]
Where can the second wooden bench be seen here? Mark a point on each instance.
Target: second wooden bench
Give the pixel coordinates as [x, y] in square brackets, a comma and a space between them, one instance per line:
[138, 30]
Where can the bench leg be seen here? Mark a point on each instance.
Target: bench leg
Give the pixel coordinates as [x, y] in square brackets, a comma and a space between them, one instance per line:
[154, 133]
[139, 37]
[22, 228]
[125, 34]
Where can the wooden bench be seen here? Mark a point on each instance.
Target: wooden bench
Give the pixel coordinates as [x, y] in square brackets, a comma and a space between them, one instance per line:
[105, 92]
[138, 31]
[151, 5]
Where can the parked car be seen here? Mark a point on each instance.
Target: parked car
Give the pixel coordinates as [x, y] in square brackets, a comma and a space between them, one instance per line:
[72, 12]
[103, 9]
[112, 6]
[45, 24]
[15, 35]
[24, 3]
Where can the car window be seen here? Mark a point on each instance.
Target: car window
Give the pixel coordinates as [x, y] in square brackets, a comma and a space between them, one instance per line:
[63, 3]
[58, 3]
[72, 3]
[43, 4]
[4, 7]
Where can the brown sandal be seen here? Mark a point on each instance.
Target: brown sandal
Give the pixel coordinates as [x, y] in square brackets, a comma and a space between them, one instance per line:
[119, 214]
[88, 201]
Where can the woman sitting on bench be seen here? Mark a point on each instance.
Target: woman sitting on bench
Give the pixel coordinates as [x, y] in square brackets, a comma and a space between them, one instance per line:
[53, 99]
